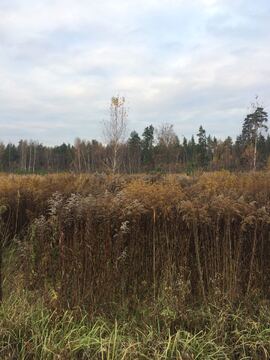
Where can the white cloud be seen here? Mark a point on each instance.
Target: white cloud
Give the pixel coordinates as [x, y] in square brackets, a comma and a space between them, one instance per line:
[65, 59]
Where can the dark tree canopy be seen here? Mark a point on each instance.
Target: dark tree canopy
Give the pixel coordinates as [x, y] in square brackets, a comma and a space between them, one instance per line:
[154, 150]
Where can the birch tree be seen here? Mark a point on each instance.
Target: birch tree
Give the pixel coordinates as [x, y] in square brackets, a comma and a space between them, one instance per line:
[115, 130]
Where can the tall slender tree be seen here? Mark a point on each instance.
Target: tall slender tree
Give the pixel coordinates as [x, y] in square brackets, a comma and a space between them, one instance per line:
[253, 125]
[115, 130]
[202, 148]
[148, 145]
[134, 152]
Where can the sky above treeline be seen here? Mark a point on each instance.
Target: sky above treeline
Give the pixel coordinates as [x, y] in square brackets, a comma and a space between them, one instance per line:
[182, 62]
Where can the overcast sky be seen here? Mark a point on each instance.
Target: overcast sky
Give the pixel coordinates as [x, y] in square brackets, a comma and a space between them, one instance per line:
[181, 62]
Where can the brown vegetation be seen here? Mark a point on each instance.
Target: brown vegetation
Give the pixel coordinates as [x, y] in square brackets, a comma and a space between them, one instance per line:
[99, 240]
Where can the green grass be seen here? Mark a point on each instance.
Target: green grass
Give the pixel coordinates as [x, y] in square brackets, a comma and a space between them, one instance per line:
[32, 330]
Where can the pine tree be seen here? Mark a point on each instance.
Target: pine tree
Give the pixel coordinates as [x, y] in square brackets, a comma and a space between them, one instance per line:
[148, 145]
[134, 152]
[202, 148]
[253, 125]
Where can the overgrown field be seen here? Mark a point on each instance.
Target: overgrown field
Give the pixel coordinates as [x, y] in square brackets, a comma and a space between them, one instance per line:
[135, 267]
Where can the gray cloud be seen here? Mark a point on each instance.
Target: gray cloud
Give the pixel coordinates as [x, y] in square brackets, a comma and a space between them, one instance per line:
[192, 63]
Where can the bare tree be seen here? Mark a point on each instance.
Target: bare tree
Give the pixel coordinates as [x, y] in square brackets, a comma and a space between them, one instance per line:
[23, 144]
[32, 155]
[115, 130]
[168, 146]
[35, 144]
[78, 161]
[166, 135]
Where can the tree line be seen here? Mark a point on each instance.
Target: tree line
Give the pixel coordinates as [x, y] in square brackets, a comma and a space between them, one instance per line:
[155, 150]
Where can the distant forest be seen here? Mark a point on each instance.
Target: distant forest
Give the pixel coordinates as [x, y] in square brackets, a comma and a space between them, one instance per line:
[156, 150]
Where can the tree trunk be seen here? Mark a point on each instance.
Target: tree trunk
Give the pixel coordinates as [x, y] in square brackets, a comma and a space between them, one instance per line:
[255, 154]
[35, 157]
[114, 165]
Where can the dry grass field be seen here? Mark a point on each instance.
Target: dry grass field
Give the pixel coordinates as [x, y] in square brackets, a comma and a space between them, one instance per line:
[135, 267]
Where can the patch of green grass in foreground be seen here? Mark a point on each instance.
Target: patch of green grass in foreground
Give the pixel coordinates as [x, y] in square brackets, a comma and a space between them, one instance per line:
[30, 330]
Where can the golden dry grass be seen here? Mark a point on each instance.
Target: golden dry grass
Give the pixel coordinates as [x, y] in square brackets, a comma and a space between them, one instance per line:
[99, 239]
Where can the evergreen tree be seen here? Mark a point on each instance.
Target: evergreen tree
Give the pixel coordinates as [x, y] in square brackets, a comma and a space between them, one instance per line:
[185, 151]
[202, 148]
[134, 152]
[191, 155]
[253, 124]
[148, 145]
